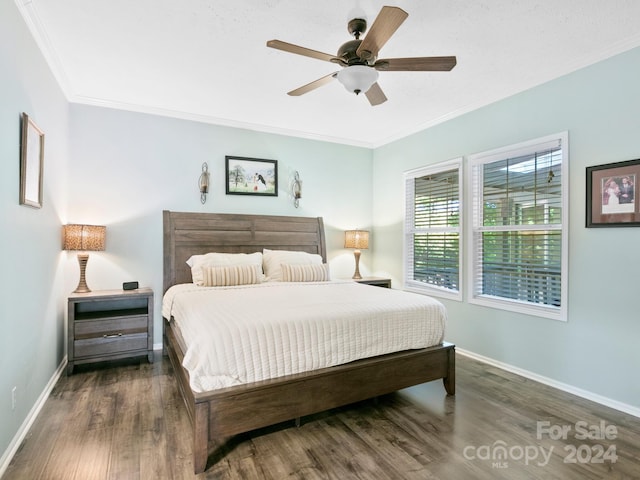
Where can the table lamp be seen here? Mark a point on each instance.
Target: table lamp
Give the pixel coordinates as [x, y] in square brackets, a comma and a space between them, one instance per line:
[356, 239]
[85, 238]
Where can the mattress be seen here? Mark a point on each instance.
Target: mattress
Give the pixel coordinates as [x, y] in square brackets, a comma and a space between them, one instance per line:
[242, 334]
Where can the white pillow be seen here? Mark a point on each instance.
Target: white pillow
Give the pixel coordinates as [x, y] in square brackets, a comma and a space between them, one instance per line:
[305, 273]
[231, 276]
[214, 259]
[273, 259]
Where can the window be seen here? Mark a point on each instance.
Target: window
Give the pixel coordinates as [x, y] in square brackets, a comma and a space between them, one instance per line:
[433, 229]
[519, 242]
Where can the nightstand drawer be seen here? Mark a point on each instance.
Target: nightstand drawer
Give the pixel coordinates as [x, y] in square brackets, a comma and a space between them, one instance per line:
[107, 345]
[99, 328]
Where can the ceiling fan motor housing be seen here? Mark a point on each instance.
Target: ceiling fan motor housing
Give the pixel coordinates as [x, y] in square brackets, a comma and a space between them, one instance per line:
[347, 52]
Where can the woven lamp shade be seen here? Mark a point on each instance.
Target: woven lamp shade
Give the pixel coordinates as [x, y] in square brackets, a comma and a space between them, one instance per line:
[356, 239]
[84, 237]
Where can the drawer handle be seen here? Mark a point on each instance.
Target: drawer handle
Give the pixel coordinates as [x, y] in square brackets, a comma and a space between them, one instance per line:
[115, 335]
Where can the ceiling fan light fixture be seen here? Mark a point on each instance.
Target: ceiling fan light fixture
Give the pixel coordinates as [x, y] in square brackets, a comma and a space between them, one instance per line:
[359, 58]
[357, 78]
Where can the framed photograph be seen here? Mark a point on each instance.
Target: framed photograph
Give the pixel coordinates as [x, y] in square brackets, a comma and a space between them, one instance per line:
[251, 176]
[611, 195]
[31, 162]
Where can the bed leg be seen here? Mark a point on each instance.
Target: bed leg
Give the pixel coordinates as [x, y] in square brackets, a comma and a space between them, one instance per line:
[297, 422]
[200, 437]
[450, 380]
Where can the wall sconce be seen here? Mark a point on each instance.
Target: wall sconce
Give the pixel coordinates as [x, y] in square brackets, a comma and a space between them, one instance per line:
[356, 239]
[86, 238]
[296, 189]
[203, 183]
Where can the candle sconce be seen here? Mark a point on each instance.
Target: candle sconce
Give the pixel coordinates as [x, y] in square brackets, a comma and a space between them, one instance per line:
[296, 189]
[203, 183]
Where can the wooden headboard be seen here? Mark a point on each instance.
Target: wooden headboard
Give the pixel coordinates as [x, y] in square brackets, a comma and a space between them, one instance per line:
[187, 233]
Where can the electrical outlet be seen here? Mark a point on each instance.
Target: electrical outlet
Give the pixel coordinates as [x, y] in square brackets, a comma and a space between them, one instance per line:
[13, 398]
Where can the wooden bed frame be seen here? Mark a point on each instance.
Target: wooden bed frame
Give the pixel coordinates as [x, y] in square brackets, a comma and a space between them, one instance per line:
[219, 414]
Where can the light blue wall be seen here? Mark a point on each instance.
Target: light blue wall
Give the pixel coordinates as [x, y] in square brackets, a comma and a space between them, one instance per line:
[597, 349]
[127, 167]
[31, 293]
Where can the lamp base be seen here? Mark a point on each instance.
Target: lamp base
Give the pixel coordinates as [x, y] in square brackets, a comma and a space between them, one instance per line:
[356, 275]
[83, 258]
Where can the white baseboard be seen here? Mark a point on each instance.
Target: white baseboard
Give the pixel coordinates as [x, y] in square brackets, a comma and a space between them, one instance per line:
[594, 397]
[31, 417]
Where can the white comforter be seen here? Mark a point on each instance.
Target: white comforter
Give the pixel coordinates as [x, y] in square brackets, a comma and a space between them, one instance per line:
[243, 334]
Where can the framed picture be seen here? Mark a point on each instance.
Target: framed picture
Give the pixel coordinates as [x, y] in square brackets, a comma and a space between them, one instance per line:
[611, 195]
[251, 176]
[31, 161]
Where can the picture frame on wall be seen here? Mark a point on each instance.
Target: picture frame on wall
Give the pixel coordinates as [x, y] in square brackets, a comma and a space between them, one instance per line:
[251, 176]
[612, 199]
[31, 162]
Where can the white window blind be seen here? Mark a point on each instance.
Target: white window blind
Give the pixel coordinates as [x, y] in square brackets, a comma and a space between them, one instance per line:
[432, 229]
[519, 244]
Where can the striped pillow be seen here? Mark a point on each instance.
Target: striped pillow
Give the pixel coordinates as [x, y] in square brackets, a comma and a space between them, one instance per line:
[273, 259]
[217, 259]
[305, 273]
[230, 276]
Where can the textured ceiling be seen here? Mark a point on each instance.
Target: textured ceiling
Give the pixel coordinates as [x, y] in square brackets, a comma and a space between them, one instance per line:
[207, 60]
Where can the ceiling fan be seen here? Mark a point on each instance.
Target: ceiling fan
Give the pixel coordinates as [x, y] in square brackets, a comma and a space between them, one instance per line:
[359, 58]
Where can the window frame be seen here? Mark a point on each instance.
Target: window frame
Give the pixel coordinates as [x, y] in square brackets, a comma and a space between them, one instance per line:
[475, 194]
[409, 283]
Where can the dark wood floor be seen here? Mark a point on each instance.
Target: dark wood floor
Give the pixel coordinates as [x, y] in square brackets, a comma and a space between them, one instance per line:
[127, 422]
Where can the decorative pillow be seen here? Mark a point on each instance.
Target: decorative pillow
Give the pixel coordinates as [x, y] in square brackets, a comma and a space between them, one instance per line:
[215, 259]
[273, 259]
[305, 273]
[230, 276]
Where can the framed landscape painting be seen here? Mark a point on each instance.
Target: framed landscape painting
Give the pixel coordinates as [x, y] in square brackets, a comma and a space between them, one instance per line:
[251, 176]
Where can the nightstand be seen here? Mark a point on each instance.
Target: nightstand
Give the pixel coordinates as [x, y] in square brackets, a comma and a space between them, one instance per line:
[108, 325]
[376, 281]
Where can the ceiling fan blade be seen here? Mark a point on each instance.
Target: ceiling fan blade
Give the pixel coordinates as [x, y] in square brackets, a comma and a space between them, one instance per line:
[306, 52]
[385, 25]
[375, 95]
[416, 64]
[312, 86]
